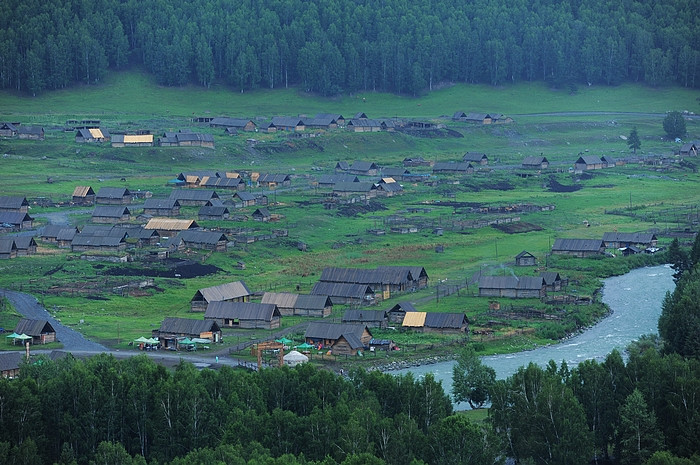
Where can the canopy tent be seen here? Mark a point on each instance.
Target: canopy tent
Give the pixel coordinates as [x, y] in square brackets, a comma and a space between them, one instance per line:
[199, 340]
[284, 341]
[305, 346]
[13, 336]
[294, 358]
[152, 340]
[186, 342]
[142, 340]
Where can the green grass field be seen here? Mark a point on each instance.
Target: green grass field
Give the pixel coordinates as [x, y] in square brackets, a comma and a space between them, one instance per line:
[544, 124]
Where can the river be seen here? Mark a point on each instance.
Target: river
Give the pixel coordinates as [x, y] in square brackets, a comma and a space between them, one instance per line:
[635, 299]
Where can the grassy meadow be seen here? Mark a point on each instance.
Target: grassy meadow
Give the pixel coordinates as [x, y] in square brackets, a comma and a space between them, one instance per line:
[552, 123]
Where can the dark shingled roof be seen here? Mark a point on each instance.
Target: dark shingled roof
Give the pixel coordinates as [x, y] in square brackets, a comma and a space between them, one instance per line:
[10, 360]
[550, 277]
[511, 282]
[188, 326]
[112, 193]
[193, 194]
[403, 307]
[242, 311]
[226, 291]
[355, 315]
[333, 331]
[154, 203]
[33, 327]
[354, 291]
[110, 211]
[578, 245]
[445, 320]
[13, 202]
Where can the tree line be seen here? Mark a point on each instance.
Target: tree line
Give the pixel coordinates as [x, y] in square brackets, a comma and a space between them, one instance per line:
[338, 47]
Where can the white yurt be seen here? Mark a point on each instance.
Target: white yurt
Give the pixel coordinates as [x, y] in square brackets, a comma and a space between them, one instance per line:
[294, 358]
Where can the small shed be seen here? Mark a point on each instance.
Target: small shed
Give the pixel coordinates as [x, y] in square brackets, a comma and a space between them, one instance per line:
[8, 248]
[26, 245]
[261, 214]
[83, 195]
[244, 315]
[525, 258]
[9, 364]
[535, 163]
[111, 214]
[552, 281]
[476, 157]
[236, 291]
[41, 331]
[161, 207]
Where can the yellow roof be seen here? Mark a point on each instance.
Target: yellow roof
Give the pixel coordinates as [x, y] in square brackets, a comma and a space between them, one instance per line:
[135, 139]
[388, 180]
[204, 179]
[234, 175]
[168, 224]
[414, 319]
[191, 179]
[96, 133]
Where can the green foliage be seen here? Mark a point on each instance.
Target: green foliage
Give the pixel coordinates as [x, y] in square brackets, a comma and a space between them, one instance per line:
[679, 323]
[674, 125]
[633, 140]
[338, 47]
[471, 379]
[640, 436]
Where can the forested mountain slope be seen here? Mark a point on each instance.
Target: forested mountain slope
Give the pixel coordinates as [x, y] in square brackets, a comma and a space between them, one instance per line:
[334, 46]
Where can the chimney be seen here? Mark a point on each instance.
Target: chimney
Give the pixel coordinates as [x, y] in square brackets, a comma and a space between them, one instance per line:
[27, 350]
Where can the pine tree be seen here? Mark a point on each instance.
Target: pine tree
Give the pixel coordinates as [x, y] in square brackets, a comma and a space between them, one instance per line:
[633, 140]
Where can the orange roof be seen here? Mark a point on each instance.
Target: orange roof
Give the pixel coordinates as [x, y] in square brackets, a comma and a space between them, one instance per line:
[168, 224]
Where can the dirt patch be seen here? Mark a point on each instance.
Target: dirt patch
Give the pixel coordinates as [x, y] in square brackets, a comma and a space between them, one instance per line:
[517, 227]
[354, 209]
[556, 186]
[53, 270]
[183, 269]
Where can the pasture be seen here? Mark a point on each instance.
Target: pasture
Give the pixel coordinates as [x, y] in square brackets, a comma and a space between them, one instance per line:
[637, 196]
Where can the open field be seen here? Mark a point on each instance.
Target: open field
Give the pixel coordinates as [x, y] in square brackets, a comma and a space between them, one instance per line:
[638, 197]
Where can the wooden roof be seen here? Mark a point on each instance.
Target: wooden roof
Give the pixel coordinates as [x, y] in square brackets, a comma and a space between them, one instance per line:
[578, 245]
[354, 315]
[550, 277]
[511, 282]
[193, 194]
[10, 360]
[13, 201]
[242, 311]
[83, 191]
[34, 328]
[414, 319]
[347, 290]
[110, 211]
[281, 299]
[14, 218]
[474, 156]
[403, 307]
[112, 193]
[333, 331]
[7, 245]
[226, 291]
[161, 203]
[202, 237]
[170, 224]
[188, 326]
[633, 237]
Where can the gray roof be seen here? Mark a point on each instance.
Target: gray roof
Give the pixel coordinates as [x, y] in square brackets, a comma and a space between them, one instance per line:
[534, 161]
[10, 360]
[474, 156]
[202, 237]
[354, 315]
[13, 201]
[112, 193]
[248, 196]
[354, 186]
[188, 326]
[332, 331]
[193, 194]
[264, 212]
[230, 122]
[353, 291]
[634, 237]
[218, 210]
[550, 277]
[66, 234]
[51, 230]
[403, 307]
[7, 245]
[578, 245]
[287, 121]
[32, 327]
[83, 239]
[30, 130]
[455, 166]
[391, 172]
[110, 211]
[242, 311]
[24, 242]
[154, 203]
[589, 160]
[227, 291]
[312, 302]
[14, 218]
[524, 253]
[336, 178]
[281, 299]
[360, 165]
[382, 275]
[511, 282]
[103, 230]
[445, 320]
[273, 178]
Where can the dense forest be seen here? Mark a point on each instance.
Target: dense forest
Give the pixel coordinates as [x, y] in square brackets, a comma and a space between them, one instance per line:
[334, 46]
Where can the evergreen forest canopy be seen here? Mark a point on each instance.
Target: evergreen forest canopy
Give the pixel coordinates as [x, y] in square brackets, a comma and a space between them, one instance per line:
[335, 47]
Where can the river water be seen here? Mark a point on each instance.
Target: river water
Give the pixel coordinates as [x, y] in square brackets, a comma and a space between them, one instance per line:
[635, 300]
